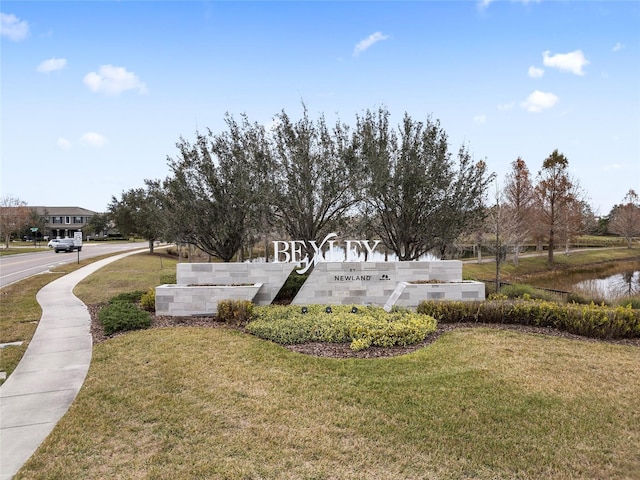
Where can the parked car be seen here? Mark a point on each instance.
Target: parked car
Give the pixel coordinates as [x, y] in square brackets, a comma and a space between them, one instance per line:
[65, 245]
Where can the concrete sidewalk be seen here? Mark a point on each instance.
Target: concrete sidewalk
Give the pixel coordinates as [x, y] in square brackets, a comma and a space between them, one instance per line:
[49, 376]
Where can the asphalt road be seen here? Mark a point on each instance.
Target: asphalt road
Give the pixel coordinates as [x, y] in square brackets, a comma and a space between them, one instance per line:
[19, 266]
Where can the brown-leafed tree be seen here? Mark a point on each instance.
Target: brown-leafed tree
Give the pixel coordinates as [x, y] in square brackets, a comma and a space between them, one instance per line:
[624, 219]
[499, 223]
[519, 202]
[14, 216]
[556, 195]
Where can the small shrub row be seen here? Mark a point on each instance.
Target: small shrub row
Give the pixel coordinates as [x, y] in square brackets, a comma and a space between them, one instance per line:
[148, 300]
[131, 297]
[236, 312]
[121, 316]
[361, 326]
[597, 321]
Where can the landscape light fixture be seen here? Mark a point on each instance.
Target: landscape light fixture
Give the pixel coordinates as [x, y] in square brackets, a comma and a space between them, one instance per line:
[354, 309]
[304, 310]
[328, 310]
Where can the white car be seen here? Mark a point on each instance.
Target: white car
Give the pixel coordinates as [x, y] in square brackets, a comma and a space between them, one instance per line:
[53, 242]
[66, 245]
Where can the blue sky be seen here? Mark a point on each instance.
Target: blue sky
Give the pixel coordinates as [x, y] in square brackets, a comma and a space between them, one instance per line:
[95, 94]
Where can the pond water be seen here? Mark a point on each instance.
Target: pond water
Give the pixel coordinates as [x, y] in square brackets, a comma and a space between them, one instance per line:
[625, 284]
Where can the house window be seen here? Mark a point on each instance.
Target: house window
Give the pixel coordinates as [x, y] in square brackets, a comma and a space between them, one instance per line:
[67, 220]
[56, 219]
[78, 220]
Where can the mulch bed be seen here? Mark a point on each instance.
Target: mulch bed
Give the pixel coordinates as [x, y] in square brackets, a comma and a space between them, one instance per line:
[342, 350]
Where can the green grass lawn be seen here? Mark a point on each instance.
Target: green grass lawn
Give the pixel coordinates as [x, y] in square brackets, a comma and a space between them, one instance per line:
[479, 403]
[194, 402]
[538, 265]
[20, 312]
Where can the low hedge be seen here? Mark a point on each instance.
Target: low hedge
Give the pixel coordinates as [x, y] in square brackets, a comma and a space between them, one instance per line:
[361, 326]
[120, 316]
[596, 321]
[235, 312]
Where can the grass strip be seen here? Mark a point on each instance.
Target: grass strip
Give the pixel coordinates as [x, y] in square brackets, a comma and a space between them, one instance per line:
[20, 312]
[216, 403]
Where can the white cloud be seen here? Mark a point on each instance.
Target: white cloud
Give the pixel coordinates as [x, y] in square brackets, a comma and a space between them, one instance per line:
[535, 72]
[113, 81]
[506, 106]
[480, 119]
[617, 47]
[570, 62]
[93, 139]
[538, 101]
[13, 28]
[482, 4]
[52, 65]
[612, 167]
[368, 42]
[64, 144]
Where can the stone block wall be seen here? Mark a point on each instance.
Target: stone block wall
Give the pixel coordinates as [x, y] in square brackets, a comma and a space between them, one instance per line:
[183, 301]
[271, 275]
[370, 283]
[409, 295]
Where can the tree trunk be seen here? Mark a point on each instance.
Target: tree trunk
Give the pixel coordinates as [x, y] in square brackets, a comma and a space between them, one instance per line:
[498, 272]
[551, 246]
[150, 245]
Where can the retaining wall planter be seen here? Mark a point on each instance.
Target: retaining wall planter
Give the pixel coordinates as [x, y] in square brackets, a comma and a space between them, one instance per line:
[199, 300]
[271, 275]
[409, 295]
[370, 283]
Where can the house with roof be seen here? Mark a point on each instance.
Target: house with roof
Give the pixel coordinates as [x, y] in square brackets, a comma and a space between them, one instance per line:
[61, 222]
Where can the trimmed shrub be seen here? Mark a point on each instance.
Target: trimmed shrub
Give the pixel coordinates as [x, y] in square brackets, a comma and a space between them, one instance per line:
[131, 297]
[148, 300]
[236, 312]
[121, 316]
[361, 326]
[597, 321]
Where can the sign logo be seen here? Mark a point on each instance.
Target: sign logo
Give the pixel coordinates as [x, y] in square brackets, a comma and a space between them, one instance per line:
[291, 251]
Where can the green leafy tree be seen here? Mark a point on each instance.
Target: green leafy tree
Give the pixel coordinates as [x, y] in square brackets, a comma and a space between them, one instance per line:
[421, 196]
[99, 223]
[35, 220]
[316, 176]
[139, 213]
[14, 217]
[214, 194]
[625, 218]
